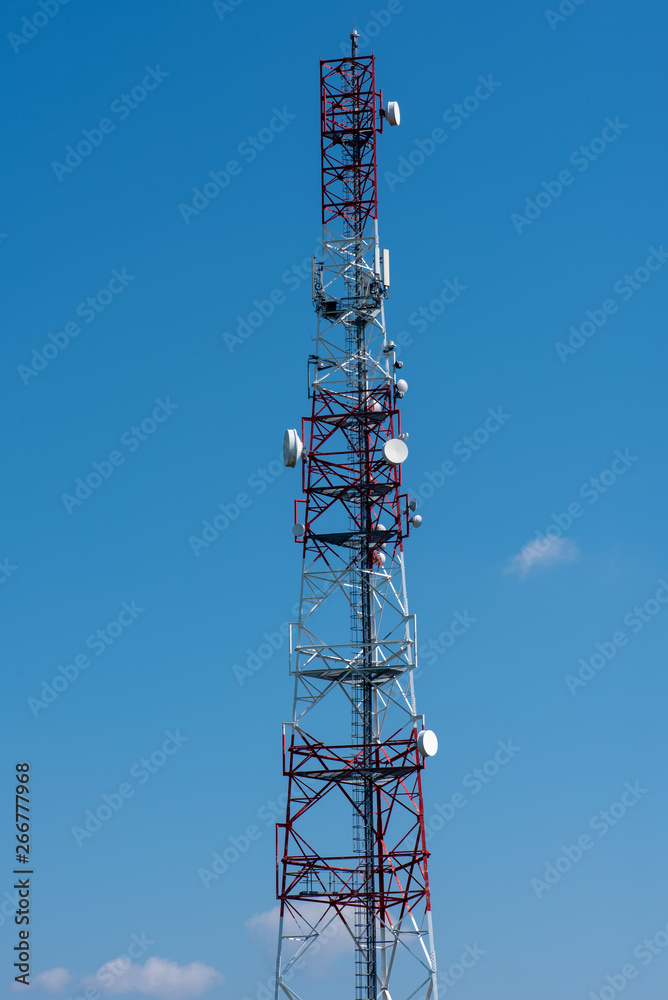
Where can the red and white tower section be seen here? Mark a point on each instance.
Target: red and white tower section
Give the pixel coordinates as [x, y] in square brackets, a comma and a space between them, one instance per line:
[351, 854]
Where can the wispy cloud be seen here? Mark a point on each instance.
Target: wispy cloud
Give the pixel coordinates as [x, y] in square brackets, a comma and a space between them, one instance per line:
[158, 977]
[263, 928]
[51, 981]
[539, 553]
[334, 939]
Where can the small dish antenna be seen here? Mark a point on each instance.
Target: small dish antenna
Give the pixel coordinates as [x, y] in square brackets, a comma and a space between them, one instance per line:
[392, 113]
[427, 743]
[395, 451]
[292, 448]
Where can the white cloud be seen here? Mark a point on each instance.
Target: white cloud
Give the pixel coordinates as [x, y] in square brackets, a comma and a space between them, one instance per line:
[334, 938]
[53, 980]
[263, 927]
[540, 553]
[158, 977]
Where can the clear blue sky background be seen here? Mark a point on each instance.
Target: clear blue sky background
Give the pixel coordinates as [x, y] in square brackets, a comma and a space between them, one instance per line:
[162, 337]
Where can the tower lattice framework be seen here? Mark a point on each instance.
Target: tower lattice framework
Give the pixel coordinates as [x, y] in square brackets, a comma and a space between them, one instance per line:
[355, 746]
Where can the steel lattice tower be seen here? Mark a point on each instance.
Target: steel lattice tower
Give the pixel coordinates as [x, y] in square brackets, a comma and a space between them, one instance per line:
[354, 643]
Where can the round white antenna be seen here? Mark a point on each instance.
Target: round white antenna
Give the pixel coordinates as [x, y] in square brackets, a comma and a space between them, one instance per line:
[395, 451]
[427, 743]
[392, 113]
[298, 529]
[292, 448]
[402, 386]
[416, 521]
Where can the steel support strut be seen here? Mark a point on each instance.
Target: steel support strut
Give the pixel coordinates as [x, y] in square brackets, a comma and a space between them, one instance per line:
[363, 727]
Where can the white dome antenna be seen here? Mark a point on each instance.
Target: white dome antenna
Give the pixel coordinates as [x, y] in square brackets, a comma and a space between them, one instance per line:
[392, 113]
[427, 743]
[395, 451]
[292, 448]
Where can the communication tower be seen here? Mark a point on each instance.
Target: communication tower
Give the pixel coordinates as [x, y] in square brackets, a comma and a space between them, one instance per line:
[356, 745]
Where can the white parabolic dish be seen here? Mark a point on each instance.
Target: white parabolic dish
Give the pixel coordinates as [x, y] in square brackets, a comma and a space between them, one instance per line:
[395, 451]
[392, 113]
[292, 448]
[427, 743]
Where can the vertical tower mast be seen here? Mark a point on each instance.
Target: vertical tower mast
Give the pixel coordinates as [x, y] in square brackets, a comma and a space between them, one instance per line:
[354, 641]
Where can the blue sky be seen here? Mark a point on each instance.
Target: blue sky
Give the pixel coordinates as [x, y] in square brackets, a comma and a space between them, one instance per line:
[540, 198]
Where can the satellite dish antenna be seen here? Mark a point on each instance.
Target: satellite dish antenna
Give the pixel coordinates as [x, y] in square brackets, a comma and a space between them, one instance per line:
[392, 113]
[427, 743]
[292, 448]
[395, 451]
